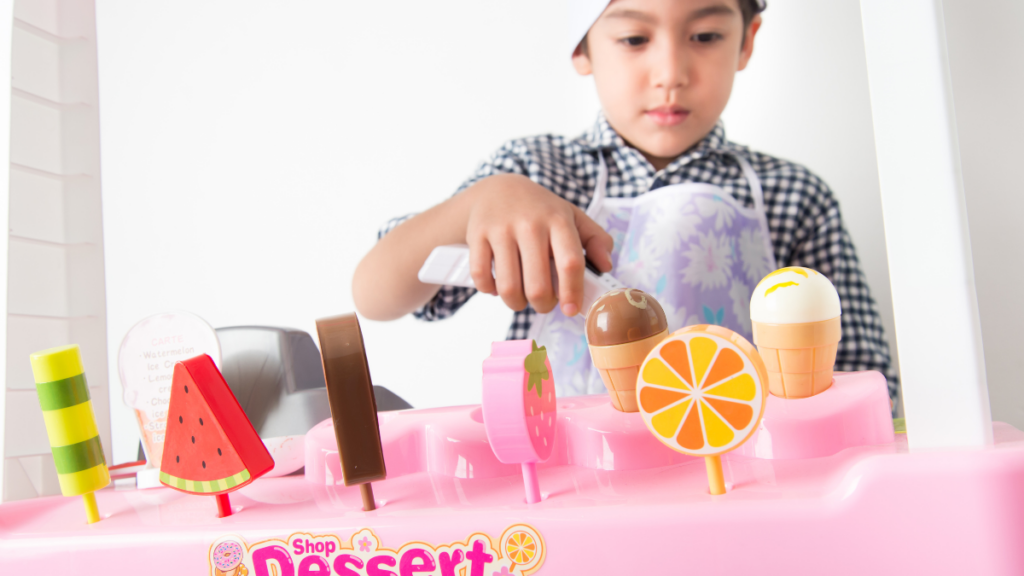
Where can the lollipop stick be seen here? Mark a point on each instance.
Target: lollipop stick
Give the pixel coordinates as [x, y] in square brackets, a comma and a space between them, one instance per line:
[92, 513]
[716, 480]
[530, 480]
[366, 491]
[223, 505]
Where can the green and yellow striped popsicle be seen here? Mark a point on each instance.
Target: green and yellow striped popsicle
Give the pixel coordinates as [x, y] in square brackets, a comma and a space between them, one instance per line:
[70, 424]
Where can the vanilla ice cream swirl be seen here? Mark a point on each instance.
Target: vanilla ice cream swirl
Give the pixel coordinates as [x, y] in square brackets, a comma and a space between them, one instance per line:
[793, 295]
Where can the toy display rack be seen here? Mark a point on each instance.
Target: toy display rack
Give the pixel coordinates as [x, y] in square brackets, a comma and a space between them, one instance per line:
[614, 499]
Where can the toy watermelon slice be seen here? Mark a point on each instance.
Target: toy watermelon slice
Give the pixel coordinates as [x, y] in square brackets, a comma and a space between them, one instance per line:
[211, 447]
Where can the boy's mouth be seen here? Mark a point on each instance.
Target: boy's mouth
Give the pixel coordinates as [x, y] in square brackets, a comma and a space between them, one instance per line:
[667, 115]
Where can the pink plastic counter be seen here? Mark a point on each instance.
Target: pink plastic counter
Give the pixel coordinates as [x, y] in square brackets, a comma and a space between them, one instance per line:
[615, 501]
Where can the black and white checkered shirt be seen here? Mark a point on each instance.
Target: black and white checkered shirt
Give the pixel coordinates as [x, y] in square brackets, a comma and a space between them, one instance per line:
[803, 218]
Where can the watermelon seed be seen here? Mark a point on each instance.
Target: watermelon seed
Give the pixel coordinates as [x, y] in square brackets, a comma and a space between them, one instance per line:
[180, 421]
[186, 389]
[177, 459]
[200, 421]
[193, 439]
[204, 463]
[218, 452]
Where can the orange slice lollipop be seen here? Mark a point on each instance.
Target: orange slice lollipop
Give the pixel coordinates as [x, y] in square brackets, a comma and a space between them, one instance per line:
[702, 391]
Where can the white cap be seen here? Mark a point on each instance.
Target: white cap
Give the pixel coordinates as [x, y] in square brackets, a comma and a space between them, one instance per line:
[792, 295]
[582, 15]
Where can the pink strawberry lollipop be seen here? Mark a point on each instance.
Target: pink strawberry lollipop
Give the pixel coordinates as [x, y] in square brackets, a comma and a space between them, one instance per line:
[519, 407]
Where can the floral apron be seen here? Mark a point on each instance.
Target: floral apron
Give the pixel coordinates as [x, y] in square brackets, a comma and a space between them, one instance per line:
[692, 246]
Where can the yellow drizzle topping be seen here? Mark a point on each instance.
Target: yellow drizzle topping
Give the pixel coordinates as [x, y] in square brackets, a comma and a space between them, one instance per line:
[794, 269]
[779, 285]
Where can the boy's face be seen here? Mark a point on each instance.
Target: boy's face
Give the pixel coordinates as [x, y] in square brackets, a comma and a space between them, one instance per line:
[664, 69]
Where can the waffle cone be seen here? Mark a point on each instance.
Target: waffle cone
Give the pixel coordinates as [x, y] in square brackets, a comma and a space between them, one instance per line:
[619, 366]
[799, 357]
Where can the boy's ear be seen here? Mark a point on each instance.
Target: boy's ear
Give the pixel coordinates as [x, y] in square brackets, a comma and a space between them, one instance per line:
[581, 61]
[748, 43]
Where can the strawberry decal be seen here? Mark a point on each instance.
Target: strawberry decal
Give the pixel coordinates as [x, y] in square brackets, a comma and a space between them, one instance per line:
[538, 398]
[536, 367]
[519, 407]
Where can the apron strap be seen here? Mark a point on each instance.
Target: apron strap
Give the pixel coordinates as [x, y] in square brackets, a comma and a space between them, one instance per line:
[753, 181]
[755, 190]
[602, 184]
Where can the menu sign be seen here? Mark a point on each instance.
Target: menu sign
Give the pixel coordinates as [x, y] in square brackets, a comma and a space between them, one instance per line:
[146, 365]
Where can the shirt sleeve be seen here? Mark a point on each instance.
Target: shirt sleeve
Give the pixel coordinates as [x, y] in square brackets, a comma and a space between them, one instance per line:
[822, 243]
[450, 298]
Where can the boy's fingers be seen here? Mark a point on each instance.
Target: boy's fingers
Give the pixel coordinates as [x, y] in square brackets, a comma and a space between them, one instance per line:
[568, 253]
[596, 242]
[507, 274]
[535, 259]
[480, 267]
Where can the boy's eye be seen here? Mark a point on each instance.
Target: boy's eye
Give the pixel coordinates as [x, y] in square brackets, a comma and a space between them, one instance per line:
[634, 41]
[706, 37]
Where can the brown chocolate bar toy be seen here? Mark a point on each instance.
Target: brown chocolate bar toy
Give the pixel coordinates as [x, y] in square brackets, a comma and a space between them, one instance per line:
[353, 408]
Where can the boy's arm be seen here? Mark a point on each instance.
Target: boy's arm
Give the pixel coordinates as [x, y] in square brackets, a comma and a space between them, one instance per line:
[505, 218]
[384, 286]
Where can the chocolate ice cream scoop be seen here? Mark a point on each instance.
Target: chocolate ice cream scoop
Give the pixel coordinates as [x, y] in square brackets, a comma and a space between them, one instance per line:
[622, 327]
[624, 316]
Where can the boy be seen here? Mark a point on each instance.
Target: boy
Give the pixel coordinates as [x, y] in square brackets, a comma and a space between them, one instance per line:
[694, 219]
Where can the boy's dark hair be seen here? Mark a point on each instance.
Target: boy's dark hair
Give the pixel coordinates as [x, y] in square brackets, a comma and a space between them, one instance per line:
[748, 9]
[751, 8]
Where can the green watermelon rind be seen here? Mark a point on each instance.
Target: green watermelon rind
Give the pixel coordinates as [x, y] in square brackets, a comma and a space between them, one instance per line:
[205, 486]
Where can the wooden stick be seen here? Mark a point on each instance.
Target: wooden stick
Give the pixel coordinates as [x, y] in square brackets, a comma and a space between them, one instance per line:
[716, 479]
[367, 493]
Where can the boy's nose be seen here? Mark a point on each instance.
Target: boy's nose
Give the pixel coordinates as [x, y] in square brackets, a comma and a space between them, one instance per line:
[669, 69]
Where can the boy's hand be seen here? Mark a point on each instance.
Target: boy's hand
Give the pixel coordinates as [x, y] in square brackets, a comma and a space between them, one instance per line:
[522, 226]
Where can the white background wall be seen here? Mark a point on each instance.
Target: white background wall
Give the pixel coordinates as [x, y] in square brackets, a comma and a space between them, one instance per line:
[252, 148]
[987, 66]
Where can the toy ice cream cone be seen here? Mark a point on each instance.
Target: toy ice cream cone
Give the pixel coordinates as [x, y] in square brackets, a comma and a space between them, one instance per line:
[795, 314]
[623, 326]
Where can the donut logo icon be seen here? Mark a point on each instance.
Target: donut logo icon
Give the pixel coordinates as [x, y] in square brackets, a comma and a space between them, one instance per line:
[226, 557]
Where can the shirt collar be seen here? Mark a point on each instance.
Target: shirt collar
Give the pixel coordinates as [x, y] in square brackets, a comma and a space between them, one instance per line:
[602, 135]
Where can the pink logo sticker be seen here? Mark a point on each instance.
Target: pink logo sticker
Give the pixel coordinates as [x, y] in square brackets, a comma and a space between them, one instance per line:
[519, 551]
